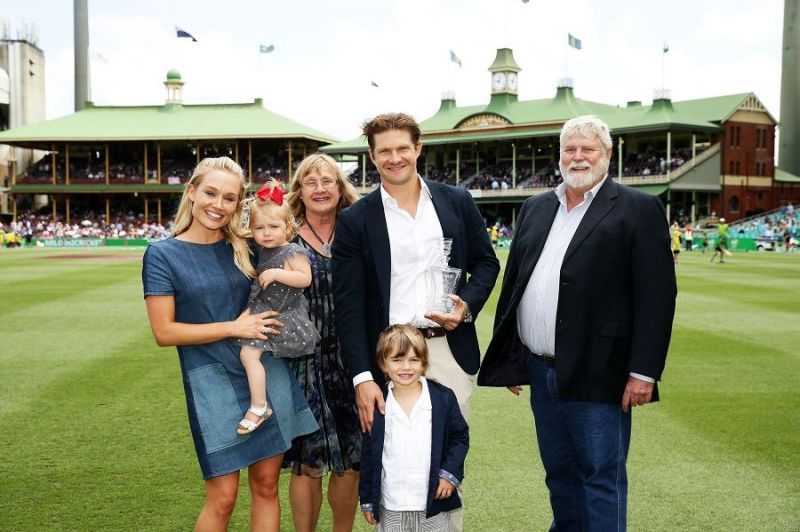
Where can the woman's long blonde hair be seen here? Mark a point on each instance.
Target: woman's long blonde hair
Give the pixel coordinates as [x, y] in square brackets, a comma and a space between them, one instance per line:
[316, 162]
[234, 232]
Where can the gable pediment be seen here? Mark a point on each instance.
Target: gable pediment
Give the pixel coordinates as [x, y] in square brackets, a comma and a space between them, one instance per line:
[483, 120]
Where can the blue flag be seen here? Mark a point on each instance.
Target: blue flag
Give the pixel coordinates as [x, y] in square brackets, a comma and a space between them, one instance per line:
[573, 41]
[454, 58]
[183, 33]
[264, 49]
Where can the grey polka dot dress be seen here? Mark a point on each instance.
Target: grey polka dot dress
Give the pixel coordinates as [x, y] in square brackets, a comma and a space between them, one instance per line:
[299, 336]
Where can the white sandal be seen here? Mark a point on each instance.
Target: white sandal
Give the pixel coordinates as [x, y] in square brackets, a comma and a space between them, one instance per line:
[246, 426]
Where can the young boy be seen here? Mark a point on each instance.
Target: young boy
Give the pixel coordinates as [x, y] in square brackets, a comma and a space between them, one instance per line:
[413, 460]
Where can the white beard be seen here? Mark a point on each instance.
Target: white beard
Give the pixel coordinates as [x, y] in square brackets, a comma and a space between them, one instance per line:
[587, 180]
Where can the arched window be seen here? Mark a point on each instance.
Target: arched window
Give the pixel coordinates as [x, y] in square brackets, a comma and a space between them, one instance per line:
[733, 204]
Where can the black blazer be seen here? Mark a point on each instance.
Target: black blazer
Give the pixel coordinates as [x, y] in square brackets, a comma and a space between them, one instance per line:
[616, 299]
[449, 446]
[362, 274]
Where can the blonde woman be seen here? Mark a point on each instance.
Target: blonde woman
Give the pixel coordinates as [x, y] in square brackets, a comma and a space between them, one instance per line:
[196, 285]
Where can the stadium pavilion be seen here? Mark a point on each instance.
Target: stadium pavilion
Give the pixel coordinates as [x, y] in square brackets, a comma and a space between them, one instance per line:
[702, 157]
[102, 160]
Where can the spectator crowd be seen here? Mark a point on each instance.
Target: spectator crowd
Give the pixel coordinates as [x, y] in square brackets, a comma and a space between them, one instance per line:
[32, 227]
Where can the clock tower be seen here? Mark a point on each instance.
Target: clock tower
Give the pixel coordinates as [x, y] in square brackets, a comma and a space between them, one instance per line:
[504, 72]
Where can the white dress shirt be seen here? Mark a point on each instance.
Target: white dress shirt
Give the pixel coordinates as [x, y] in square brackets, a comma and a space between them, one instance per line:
[406, 459]
[416, 246]
[536, 315]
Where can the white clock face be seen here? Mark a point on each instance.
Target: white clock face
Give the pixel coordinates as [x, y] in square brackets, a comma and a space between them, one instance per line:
[512, 81]
[498, 81]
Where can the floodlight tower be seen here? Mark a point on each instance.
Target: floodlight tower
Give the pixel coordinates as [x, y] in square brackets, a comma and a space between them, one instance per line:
[81, 24]
[789, 154]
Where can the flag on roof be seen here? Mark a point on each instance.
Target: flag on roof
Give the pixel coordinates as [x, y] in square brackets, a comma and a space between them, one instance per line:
[573, 41]
[184, 33]
[454, 58]
[266, 49]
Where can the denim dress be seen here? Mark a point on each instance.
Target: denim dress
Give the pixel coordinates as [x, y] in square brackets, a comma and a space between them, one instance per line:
[208, 288]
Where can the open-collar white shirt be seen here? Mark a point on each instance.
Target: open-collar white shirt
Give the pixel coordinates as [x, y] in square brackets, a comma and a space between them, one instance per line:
[406, 459]
[416, 244]
[536, 315]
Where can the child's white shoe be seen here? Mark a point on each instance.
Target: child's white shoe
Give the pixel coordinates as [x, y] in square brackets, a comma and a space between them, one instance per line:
[246, 426]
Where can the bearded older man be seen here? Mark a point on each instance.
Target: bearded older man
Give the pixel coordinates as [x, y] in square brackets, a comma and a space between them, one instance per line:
[585, 317]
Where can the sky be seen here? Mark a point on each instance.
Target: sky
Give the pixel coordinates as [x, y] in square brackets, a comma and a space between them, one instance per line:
[328, 54]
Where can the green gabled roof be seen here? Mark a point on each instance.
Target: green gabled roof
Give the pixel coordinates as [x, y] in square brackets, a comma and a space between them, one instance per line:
[441, 127]
[535, 118]
[703, 113]
[449, 116]
[662, 114]
[558, 109]
[717, 109]
[165, 122]
[783, 176]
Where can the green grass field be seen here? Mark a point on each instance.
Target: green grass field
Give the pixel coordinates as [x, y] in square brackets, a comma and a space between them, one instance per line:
[93, 431]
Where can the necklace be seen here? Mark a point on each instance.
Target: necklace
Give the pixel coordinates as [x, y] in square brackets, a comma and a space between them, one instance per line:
[326, 246]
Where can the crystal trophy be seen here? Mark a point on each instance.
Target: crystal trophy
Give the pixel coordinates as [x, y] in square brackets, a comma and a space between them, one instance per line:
[441, 280]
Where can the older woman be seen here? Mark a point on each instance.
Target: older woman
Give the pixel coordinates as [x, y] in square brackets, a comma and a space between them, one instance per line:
[319, 190]
[196, 285]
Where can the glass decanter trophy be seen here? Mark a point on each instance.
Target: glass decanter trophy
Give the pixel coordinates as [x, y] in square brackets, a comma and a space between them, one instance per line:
[441, 281]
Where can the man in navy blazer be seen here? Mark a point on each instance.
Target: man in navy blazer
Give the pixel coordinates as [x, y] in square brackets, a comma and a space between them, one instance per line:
[384, 244]
[585, 317]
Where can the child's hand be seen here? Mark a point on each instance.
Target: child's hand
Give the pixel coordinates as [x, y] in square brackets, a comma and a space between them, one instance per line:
[266, 277]
[370, 518]
[444, 489]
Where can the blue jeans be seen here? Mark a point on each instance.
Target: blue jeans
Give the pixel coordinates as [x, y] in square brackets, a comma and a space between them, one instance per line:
[584, 446]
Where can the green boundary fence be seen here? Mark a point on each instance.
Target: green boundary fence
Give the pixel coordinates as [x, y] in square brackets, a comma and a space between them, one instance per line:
[734, 244]
[91, 242]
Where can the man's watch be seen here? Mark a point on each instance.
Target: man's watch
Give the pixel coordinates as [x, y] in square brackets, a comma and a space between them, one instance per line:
[467, 314]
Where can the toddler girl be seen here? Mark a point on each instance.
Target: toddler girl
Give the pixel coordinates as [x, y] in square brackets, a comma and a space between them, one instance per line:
[284, 271]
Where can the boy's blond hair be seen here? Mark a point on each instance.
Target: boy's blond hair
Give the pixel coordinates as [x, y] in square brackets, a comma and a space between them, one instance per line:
[400, 338]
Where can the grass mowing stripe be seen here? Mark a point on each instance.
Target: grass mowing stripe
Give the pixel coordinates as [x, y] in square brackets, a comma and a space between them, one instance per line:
[98, 438]
[765, 330]
[88, 323]
[53, 286]
[111, 424]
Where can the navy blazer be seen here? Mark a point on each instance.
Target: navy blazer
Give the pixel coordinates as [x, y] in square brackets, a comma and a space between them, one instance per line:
[449, 445]
[362, 274]
[616, 297]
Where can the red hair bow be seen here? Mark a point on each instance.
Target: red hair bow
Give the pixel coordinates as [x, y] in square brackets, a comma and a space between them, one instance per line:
[271, 193]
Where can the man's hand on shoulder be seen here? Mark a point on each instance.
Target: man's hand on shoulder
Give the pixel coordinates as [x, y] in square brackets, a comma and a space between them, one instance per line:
[368, 396]
[637, 393]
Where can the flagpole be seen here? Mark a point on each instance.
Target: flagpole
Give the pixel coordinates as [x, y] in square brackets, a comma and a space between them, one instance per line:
[258, 73]
[449, 75]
